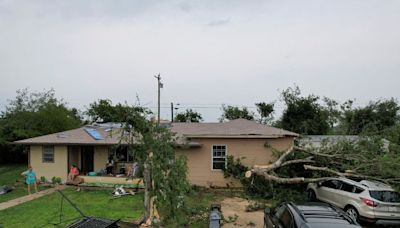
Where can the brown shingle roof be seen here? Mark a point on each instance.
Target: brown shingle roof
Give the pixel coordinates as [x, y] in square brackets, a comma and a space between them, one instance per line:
[239, 128]
[75, 136]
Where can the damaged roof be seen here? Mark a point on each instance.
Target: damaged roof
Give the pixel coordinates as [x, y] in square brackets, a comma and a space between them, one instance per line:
[97, 134]
[109, 133]
[238, 128]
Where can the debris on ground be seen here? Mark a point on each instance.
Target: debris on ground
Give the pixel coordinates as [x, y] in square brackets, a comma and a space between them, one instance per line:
[120, 191]
[5, 189]
[235, 214]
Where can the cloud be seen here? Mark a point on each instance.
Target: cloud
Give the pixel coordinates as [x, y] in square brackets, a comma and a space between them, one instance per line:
[94, 49]
[219, 22]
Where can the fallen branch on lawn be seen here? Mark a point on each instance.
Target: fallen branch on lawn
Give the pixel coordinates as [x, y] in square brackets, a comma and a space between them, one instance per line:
[268, 171]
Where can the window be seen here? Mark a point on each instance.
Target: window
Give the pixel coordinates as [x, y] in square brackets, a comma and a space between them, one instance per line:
[120, 154]
[386, 196]
[279, 211]
[218, 156]
[335, 184]
[347, 187]
[48, 154]
[286, 218]
[358, 190]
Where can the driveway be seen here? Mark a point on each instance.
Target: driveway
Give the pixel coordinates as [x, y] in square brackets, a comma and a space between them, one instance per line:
[234, 210]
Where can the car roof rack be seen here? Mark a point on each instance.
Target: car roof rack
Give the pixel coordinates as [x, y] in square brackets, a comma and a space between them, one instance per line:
[306, 214]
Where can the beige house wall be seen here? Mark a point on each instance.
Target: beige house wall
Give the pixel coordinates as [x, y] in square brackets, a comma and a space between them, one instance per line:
[58, 168]
[252, 151]
[100, 157]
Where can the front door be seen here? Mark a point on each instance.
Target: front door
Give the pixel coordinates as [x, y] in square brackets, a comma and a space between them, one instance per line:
[87, 158]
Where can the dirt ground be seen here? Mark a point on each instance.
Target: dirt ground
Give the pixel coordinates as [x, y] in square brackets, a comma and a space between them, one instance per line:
[234, 210]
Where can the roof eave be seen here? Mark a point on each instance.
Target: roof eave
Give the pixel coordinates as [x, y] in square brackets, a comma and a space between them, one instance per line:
[67, 143]
[234, 136]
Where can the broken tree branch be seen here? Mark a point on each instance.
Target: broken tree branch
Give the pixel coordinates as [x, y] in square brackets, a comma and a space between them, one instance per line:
[340, 174]
[285, 180]
[298, 161]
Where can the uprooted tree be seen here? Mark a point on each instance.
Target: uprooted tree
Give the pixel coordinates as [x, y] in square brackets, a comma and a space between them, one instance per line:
[368, 157]
[164, 174]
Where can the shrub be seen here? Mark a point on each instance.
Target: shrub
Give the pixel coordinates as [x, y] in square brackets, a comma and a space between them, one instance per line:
[56, 180]
[43, 179]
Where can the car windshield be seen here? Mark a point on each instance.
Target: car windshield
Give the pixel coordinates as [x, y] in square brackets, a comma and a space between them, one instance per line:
[386, 196]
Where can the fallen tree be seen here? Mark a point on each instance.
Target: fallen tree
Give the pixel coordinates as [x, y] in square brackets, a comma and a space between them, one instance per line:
[366, 158]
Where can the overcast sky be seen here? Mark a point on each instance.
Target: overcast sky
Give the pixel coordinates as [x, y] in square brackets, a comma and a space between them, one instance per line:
[208, 52]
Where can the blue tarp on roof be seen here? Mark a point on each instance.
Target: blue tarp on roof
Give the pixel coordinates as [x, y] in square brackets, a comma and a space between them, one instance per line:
[94, 133]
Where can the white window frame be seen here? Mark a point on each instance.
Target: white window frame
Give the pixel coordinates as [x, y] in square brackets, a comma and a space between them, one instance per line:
[43, 151]
[212, 156]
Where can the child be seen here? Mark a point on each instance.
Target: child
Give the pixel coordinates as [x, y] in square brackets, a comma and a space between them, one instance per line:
[30, 178]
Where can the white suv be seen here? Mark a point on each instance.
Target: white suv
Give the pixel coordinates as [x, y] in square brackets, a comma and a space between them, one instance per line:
[370, 201]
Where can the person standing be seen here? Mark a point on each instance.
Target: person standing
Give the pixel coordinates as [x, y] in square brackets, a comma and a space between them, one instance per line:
[30, 176]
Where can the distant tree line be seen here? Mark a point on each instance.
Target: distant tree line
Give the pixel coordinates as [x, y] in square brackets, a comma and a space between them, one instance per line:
[313, 115]
[32, 114]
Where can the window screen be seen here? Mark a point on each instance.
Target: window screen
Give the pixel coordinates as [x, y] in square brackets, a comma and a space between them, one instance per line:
[218, 156]
[48, 154]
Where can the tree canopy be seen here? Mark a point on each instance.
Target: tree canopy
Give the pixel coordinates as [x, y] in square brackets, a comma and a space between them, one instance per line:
[188, 116]
[373, 118]
[265, 111]
[311, 115]
[233, 112]
[303, 114]
[105, 111]
[33, 114]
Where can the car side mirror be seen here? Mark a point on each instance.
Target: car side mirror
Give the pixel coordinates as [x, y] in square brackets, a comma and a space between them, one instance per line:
[267, 211]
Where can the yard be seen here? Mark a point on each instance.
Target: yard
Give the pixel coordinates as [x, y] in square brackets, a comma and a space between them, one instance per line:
[45, 211]
[8, 176]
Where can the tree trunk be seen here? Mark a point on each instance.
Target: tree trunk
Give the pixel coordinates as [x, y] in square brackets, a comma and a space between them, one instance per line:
[147, 192]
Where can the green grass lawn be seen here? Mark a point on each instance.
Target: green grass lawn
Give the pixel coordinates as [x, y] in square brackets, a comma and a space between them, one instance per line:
[45, 211]
[8, 176]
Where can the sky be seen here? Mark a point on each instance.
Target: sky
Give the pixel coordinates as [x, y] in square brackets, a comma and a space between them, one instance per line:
[208, 52]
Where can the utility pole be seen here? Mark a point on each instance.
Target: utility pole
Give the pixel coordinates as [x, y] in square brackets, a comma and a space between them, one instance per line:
[172, 112]
[159, 86]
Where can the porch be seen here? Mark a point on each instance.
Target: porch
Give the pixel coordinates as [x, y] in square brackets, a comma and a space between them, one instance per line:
[112, 181]
[106, 164]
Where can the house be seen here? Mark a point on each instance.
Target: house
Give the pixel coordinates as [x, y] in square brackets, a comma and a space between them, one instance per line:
[320, 141]
[206, 146]
[317, 141]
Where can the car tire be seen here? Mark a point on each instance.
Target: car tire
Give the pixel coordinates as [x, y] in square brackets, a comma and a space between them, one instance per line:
[311, 196]
[352, 212]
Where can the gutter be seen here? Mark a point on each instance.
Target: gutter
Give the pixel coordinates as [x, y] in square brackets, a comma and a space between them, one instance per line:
[237, 136]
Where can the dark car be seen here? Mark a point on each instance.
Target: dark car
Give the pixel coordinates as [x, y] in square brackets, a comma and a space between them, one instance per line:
[307, 215]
